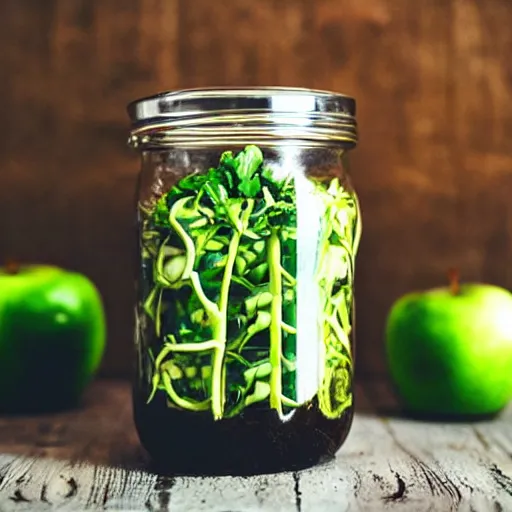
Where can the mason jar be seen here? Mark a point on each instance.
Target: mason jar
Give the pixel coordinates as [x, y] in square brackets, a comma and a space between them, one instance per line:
[248, 228]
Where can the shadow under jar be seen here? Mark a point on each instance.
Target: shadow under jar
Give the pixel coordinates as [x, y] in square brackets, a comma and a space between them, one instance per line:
[248, 229]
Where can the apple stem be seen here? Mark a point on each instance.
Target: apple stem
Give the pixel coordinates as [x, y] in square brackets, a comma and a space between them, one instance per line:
[12, 267]
[453, 279]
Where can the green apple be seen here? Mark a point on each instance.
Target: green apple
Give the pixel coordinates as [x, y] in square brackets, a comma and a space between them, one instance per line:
[52, 337]
[449, 350]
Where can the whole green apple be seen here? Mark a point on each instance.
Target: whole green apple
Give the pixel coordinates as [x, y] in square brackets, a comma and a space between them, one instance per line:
[449, 350]
[52, 337]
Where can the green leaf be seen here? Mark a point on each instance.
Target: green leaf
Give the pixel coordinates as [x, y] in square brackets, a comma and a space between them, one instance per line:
[248, 161]
[214, 245]
[251, 187]
[193, 182]
[228, 161]
[259, 247]
[258, 301]
[258, 273]
[249, 256]
[173, 268]
[222, 176]
[216, 192]
[261, 392]
[240, 265]
[257, 372]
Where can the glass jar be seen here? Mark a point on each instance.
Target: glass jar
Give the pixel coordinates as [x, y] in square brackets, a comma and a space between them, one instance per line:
[248, 229]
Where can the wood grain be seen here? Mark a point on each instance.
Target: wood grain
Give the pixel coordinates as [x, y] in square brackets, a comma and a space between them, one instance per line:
[434, 169]
[89, 459]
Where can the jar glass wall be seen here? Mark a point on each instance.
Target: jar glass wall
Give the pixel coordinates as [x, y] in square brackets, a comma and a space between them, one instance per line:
[247, 236]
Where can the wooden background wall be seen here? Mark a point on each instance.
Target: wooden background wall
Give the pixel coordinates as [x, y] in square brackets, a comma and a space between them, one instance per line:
[434, 168]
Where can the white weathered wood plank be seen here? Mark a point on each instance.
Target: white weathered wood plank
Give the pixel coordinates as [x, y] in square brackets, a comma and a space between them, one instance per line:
[138, 491]
[251, 494]
[451, 458]
[388, 463]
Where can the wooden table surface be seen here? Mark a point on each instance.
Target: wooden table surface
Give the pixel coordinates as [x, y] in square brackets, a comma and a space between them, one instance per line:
[89, 459]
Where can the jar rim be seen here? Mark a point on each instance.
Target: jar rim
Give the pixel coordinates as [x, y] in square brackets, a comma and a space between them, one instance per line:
[275, 98]
[274, 109]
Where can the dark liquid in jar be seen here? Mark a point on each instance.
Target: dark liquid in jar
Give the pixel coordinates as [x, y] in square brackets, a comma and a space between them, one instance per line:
[254, 442]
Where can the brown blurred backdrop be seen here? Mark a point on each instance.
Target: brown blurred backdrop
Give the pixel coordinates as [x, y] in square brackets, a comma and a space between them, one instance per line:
[433, 80]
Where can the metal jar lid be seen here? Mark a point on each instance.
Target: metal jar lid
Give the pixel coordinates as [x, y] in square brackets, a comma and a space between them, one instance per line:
[319, 113]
